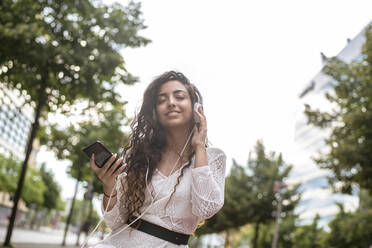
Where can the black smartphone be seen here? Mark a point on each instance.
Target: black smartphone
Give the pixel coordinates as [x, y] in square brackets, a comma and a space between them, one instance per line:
[101, 154]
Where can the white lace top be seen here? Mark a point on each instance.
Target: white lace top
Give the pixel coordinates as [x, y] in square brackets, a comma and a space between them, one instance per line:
[198, 196]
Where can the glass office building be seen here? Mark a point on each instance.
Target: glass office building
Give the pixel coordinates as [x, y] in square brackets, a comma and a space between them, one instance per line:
[317, 197]
[15, 127]
[15, 124]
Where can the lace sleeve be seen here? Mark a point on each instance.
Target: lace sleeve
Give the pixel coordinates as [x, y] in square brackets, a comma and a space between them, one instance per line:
[208, 182]
[113, 218]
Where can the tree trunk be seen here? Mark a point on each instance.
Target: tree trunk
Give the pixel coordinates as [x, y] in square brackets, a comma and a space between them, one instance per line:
[33, 221]
[17, 196]
[90, 213]
[41, 219]
[81, 224]
[89, 219]
[256, 233]
[71, 210]
[227, 239]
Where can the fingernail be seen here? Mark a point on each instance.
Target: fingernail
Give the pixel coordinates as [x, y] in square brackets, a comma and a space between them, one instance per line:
[92, 155]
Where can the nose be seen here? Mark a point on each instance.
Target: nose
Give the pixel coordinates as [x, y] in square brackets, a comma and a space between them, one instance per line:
[171, 102]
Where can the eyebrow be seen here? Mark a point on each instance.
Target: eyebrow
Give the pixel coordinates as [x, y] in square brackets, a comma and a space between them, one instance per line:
[174, 92]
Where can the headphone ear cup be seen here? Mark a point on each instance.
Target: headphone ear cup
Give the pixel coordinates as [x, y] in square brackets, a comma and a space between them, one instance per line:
[196, 109]
[199, 98]
[196, 106]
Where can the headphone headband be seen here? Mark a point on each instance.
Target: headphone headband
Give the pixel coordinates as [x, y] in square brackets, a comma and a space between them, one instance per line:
[199, 98]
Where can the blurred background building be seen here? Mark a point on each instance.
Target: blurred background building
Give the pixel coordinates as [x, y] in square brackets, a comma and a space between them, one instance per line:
[317, 196]
[15, 127]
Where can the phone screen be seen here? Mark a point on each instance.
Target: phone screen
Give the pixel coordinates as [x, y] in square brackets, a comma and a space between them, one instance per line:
[101, 153]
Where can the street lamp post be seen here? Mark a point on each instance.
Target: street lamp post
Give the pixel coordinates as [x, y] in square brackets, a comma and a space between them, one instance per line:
[278, 186]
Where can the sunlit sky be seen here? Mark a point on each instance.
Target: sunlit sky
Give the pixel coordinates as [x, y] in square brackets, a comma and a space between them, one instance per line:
[249, 59]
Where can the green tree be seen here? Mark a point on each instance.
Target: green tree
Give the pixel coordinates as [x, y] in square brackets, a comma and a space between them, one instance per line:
[286, 232]
[249, 196]
[52, 195]
[105, 124]
[365, 200]
[349, 121]
[352, 230]
[310, 236]
[9, 169]
[9, 175]
[34, 187]
[267, 168]
[79, 216]
[57, 52]
[51, 198]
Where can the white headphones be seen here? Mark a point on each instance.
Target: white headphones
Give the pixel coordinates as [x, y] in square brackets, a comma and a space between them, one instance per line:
[102, 245]
[197, 104]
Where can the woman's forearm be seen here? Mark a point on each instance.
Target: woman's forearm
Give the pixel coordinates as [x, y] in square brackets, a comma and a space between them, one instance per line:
[201, 156]
[112, 202]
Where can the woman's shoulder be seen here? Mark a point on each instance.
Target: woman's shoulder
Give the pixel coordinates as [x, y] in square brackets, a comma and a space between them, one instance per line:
[213, 152]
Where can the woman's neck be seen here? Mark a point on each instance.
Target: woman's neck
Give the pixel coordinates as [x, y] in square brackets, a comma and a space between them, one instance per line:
[176, 139]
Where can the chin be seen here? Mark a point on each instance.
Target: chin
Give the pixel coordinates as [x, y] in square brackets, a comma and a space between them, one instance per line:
[175, 123]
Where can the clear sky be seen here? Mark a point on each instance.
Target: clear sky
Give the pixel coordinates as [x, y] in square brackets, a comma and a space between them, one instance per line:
[249, 59]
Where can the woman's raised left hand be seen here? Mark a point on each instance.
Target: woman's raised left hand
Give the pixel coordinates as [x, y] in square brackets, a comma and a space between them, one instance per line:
[200, 134]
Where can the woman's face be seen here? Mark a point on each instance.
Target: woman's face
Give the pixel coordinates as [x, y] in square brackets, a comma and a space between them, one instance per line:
[173, 106]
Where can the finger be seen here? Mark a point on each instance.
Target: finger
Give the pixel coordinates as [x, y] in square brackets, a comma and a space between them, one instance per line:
[93, 164]
[203, 120]
[195, 130]
[106, 166]
[200, 113]
[115, 166]
[119, 170]
[201, 110]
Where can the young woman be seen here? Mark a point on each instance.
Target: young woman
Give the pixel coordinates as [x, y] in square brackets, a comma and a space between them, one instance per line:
[172, 180]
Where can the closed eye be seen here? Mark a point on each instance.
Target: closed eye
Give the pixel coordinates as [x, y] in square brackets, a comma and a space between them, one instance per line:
[161, 101]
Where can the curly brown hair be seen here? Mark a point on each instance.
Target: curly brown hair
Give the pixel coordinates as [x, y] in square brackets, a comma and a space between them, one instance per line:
[147, 141]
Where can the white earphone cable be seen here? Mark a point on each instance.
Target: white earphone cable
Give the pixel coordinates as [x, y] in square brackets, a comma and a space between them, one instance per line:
[151, 204]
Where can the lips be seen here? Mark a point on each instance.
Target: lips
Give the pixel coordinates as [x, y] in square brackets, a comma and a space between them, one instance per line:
[172, 113]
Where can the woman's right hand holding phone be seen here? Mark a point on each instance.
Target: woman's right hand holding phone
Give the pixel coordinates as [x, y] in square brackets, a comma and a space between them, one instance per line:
[108, 174]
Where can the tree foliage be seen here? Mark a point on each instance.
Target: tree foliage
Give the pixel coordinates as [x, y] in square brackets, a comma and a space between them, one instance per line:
[59, 53]
[67, 49]
[106, 124]
[9, 169]
[249, 196]
[80, 214]
[34, 187]
[352, 230]
[350, 120]
[287, 230]
[56, 53]
[310, 236]
[9, 174]
[365, 200]
[52, 194]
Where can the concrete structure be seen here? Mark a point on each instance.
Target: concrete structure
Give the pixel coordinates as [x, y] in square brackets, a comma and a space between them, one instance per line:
[309, 141]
